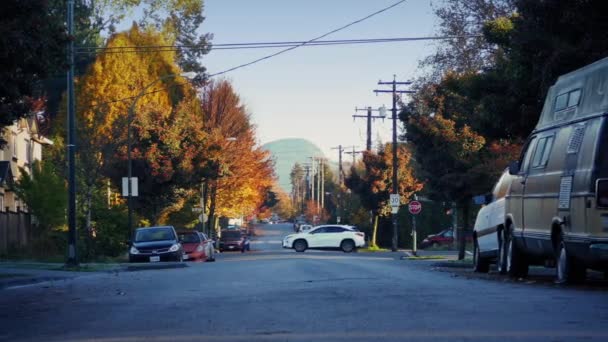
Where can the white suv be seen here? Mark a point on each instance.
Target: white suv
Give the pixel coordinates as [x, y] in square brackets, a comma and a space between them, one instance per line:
[346, 238]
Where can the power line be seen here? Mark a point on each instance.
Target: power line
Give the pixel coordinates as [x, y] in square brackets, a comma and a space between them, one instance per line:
[307, 42]
[263, 45]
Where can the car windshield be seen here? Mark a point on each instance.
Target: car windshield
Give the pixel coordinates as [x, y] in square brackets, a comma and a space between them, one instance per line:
[231, 235]
[189, 237]
[154, 234]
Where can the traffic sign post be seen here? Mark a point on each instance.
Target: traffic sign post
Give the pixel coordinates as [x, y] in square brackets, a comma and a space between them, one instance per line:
[414, 208]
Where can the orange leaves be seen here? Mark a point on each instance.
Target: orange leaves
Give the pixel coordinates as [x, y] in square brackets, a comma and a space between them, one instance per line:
[244, 170]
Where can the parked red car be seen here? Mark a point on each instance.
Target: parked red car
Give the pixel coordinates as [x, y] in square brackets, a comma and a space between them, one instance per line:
[196, 245]
[443, 238]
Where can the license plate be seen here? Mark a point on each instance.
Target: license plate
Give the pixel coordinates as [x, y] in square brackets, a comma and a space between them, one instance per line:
[155, 258]
[231, 247]
[186, 256]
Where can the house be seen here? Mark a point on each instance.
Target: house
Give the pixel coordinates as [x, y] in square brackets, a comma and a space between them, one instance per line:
[24, 146]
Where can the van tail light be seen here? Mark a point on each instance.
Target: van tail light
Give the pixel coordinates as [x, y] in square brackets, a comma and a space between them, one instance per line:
[601, 193]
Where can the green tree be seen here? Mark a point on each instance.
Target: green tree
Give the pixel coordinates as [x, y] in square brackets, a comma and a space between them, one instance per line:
[32, 39]
[44, 193]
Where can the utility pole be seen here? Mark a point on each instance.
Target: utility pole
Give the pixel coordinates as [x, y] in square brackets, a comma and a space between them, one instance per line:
[370, 117]
[354, 154]
[322, 184]
[318, 184]
[394, 92]
[341, 150]
[71, 147]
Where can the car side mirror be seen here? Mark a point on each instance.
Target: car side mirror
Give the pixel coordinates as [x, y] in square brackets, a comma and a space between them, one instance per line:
[514, 168]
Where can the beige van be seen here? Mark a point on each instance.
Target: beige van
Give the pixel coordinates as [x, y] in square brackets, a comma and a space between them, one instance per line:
[556, 212]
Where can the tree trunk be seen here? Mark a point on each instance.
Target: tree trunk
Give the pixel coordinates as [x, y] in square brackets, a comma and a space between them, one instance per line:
[212, 209]
[88, 203]
[375, 231]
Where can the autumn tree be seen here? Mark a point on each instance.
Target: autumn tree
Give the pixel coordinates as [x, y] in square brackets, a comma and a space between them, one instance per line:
[373, 184]
[167, 124]
[239, 173]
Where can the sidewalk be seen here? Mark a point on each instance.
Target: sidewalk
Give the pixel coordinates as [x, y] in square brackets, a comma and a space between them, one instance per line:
[13, 274]
[13, 277]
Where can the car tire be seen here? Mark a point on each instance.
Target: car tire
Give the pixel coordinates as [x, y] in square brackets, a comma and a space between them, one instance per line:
[347, 246]
[517, 266]
[300, 245]
[480, 264]
[568, 270]
[501, 257]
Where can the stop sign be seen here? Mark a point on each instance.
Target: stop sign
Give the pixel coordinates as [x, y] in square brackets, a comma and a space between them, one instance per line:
[414, 207]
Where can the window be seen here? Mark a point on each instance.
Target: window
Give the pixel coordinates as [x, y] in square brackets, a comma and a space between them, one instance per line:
[527, 155]
[574, 97]
[319, 230]
[561, 102]
[543, 149]
[28, 151]
[14, 147]
[448, 234]
[567, 100]
[335, 229]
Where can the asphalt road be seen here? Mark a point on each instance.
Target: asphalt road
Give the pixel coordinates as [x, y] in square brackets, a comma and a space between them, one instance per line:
[271, 294]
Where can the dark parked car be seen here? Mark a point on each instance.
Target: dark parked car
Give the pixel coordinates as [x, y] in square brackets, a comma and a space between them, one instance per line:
[196, 245]
[153, 244]
[443, 238]
[230, 240]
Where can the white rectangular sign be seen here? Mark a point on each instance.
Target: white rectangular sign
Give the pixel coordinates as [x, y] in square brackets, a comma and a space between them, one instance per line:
[395, 200]
[125, 187]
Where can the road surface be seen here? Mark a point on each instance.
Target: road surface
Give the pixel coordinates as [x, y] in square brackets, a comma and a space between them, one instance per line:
[271, 294]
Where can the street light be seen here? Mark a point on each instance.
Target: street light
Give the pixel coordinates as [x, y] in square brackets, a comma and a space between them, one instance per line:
[189, 75]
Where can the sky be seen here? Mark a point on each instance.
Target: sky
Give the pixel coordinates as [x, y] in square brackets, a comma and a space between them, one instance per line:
[312, 92]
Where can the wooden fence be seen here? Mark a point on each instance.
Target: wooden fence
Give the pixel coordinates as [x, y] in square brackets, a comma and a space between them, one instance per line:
[15, 230]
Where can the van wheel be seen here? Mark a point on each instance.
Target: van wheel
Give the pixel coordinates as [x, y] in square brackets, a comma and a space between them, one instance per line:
[347, 246]
[567, 268]
[480, 265]
[501, 259]
[517, 266]
[300, 246]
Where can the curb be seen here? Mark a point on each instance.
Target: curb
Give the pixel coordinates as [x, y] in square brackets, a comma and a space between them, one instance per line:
[152, 266]
[28, 281]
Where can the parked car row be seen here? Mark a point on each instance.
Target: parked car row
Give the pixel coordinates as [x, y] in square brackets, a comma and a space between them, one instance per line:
[164, 243]
[336, 237]
[551, 206]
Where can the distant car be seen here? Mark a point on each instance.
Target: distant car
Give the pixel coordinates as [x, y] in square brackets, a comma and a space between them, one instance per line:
[490, 220]
[153, 244]
[443, 238]
[230, 240]
[341, 237]
[196, 245]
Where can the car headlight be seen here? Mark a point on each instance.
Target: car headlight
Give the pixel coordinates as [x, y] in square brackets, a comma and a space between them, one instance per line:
[199, 248]
[174, 248]
[133, 250]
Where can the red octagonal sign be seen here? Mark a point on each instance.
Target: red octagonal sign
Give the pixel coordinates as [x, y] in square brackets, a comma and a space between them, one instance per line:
[414, 207]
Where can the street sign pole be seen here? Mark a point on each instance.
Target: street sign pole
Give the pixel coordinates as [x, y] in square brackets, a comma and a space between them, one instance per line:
[414, 208]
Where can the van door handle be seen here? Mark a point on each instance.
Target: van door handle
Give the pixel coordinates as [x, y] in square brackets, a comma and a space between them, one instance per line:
[523, 181]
